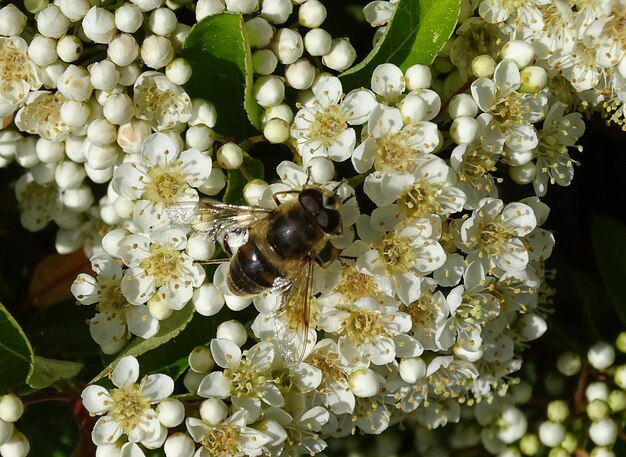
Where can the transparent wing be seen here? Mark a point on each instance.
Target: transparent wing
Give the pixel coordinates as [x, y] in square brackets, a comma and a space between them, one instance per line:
[292, 317]
[214, 219]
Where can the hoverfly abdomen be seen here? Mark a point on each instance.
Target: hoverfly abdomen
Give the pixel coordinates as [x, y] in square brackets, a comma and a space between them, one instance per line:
[250, 271]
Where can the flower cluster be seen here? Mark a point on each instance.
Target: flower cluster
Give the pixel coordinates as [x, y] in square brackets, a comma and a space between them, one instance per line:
[427, 297]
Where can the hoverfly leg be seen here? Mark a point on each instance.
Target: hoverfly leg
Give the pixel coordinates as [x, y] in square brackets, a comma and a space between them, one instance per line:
[283, 192]
[214, 261]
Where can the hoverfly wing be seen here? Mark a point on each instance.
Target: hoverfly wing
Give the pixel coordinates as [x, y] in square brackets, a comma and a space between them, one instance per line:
[292, 317]
[216, 220]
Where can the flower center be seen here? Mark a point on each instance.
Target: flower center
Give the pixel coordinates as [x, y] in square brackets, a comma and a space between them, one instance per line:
[43, 116]
[393, 153]
[13, 66]
[423, 313]
[420, 199]
[164, 264]
[491, 237]
[167, 185]
[355, 285]
[111, 298]
[396, 254]
[245, 380]
[128, 406]
[362, 325]
[475, 169]
[328, 125]
[221, 441]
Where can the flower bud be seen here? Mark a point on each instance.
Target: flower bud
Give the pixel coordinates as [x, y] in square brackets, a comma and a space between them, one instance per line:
[597, 409]
[132, 134]
[617, 400]
[101, 132]
[199, 137]
[104, 75]
[464, 129]
[16, 446]
[207, 300]
[597, 390]
[603, 432]
[312, 14]
[129, 74]
[179, 444]
[201, 360]
[118, 108]
[213, 411]
[418, 77]
[215, 183]
[300, 74]
[11, 408]
[529, 444]
[158, 308]
[259, 32]
[75, 83]
[520, 52]
[551, 434]
[171, 412]
[128, 18]
[147, 5]
[156, 51]
[317, 42]
[569, 363]
[483, 66]
[232, 330]
[523, 174]
[462, 105]
[557, 411]
[74, 114]
[79, 199]
[206, 8]
[340, 56]
[230, 156]
[74, 10]
[363, 383]
[242, 6]
[42, 50]
[69, 175]
[178, 71]
[69, 48]
[123, 50]
[99, 25]
[281, 111]
[253, 191]
[269, 90]
[276, 11]
[162, 21]
[620, 376]
[276, 131]
[12, 21]
[203, 112]
[533, 79]
[287, 45]
[601, 355]
[49, 151]
[264, 62]
[51, 22]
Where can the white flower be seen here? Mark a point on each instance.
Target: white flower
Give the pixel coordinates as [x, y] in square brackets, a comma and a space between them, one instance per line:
[230, 437]
[302, 430]
[378, 12]
[509, 115]
[160, 102]
[115, 317]
[398, 259]
[38, 203]
[164, 176]
[526, 12]
[158, 269]
[20, 74]
[559, 133]
[127, 409]
[322, 126]
[392, 147]
[367, 331]
[246, 380]
[41, 116]
[493, 234]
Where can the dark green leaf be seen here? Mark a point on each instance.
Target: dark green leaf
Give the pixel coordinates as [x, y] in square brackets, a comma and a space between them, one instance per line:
[170, 328]
[62, 329]
[16, 354]
[609, 242]
[415, 34]
[237, 179]
[49, 371]
[217, 49]
[51, 430]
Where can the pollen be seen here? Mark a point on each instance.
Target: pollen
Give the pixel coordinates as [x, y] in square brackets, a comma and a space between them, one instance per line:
[167, 185]
[396, 253]
[128, 406]
[355, 285]
[221, 440]
[328, 125]
[164, 264]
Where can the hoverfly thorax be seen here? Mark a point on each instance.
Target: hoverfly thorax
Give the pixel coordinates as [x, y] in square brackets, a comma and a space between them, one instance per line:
[324, 208]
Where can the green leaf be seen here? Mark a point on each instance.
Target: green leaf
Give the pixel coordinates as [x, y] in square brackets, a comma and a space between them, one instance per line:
[170, 328]
[609, 242]
[16, 353]
[218, 51]
[49, 371]
[237, 179]
[415, 34]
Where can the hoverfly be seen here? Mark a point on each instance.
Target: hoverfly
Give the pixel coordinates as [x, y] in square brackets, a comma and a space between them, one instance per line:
[273, 250]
